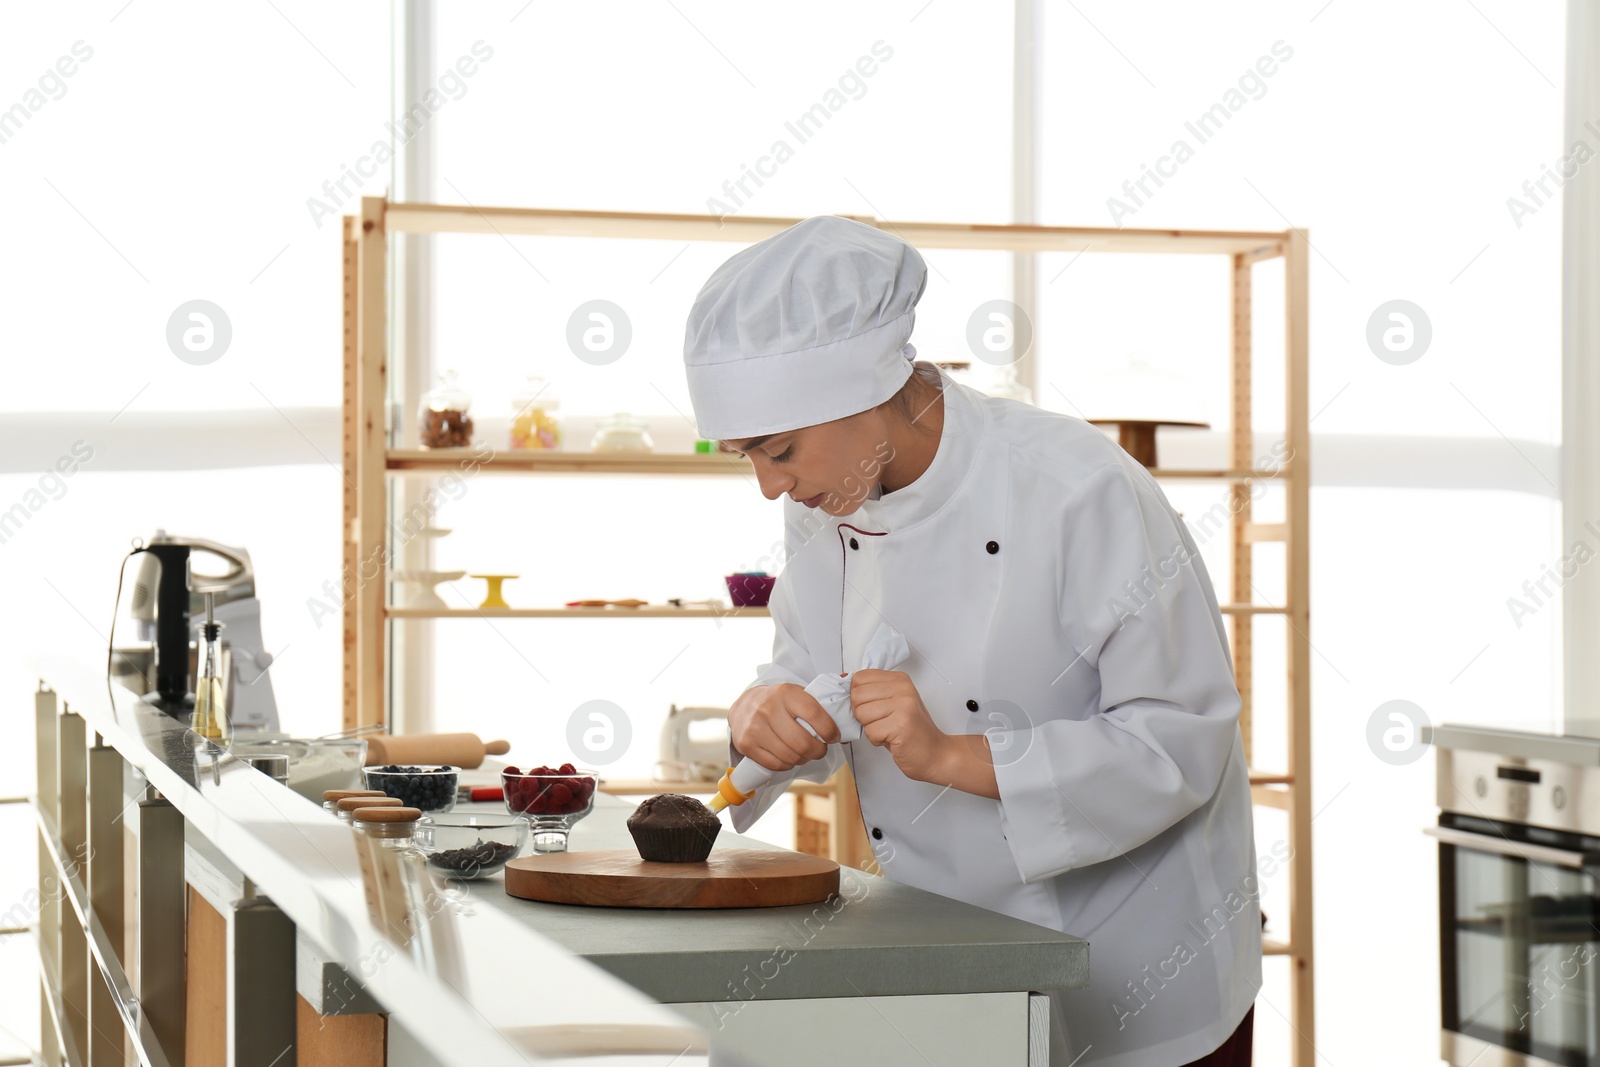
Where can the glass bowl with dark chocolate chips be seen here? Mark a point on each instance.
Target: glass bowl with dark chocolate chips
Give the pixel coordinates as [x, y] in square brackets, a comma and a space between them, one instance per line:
[467, 846]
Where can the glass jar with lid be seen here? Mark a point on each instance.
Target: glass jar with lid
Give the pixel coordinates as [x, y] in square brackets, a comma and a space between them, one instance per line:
[536, 414]
[345, 805]
[392, 827]
[331, 797]
[442, 420]
[623, 433]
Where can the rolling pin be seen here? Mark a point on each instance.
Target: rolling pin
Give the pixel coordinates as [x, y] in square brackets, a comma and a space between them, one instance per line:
[456, 750]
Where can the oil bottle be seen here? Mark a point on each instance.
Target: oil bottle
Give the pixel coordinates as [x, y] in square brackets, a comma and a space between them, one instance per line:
[210, 714]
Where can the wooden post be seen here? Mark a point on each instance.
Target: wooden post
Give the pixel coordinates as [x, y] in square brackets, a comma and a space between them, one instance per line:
[349, 552]
[1298, 714]
[372, 443]
[1242, 457]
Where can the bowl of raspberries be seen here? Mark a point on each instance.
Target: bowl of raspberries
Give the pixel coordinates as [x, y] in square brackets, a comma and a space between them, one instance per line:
[552, 799]
[424, 788]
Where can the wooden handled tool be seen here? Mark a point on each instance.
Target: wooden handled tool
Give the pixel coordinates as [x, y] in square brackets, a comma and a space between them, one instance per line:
[456, 750]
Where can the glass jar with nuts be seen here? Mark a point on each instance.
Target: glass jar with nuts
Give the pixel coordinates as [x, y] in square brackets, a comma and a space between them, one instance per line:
[442, 420]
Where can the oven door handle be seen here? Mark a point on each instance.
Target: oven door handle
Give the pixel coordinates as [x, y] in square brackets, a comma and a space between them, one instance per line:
[1560, 857]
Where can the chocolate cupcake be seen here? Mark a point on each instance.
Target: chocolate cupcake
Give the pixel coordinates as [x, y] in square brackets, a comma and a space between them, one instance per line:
[672, 828]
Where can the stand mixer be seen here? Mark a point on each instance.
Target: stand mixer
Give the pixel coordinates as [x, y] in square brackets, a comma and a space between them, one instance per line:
[688, 757]
[168, 592]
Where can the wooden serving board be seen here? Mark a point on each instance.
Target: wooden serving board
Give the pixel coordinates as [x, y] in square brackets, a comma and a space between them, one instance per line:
[729, 878]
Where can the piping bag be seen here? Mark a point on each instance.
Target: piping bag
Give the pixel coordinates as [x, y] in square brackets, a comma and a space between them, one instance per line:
[886, 651]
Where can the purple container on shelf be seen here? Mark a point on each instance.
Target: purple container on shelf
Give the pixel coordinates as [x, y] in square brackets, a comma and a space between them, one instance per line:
[750, 590]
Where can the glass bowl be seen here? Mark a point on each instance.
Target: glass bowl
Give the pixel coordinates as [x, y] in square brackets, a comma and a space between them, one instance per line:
[426, 788]
[551, 799]
[315, 764]
[471, 846]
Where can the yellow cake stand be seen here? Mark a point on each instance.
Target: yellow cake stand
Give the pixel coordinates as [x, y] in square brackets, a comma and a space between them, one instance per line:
[494, 599]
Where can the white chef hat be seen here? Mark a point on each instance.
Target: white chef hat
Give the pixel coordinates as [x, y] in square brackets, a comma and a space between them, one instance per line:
[808, 326]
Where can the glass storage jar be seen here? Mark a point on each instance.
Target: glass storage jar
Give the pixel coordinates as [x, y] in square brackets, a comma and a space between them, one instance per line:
[343, 807]
[535, 415]
[392, 827]
[623, 433]
[442, 420]
[331, 797]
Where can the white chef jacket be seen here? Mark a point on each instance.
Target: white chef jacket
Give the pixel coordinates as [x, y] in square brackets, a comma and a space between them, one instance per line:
[1054, 600]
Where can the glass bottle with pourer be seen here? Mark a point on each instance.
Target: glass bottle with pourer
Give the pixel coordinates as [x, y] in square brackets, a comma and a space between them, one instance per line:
[210, 711]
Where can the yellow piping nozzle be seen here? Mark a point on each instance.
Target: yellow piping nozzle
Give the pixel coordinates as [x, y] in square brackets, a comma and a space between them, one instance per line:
[727, 794]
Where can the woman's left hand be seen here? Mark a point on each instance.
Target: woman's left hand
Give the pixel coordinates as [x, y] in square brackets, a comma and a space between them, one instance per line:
[893, 716]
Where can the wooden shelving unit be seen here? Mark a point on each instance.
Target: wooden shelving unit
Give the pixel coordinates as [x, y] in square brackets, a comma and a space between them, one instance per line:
[529, 461]
[826, 817]
[648, 612]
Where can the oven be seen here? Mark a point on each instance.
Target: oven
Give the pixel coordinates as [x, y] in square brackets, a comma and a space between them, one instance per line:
[1519, 925]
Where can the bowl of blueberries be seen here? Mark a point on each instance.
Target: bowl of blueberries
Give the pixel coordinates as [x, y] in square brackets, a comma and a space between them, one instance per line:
[429, 789]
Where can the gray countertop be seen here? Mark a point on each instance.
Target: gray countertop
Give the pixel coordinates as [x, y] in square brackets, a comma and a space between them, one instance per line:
[878, 938]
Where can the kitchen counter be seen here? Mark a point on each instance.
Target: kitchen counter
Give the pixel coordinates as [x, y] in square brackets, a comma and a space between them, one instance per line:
[230, 872]
[885, 939]
[463, 973]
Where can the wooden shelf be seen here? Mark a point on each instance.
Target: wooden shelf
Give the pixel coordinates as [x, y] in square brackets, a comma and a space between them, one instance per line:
[650, 612]
[668, 612]
[1273, 947]
[401, 217]
[542, 461]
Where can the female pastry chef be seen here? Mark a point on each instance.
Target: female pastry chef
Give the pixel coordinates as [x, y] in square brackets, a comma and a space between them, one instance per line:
[1061, 744]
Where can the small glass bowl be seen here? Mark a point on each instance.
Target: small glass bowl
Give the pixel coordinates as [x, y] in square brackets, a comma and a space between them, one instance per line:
[551, 803]
[426, 788]
[471, 846]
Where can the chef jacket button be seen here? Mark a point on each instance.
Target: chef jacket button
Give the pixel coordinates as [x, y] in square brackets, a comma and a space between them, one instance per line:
[854, 543]
[972, 705]
[992, 547]
[877, 834]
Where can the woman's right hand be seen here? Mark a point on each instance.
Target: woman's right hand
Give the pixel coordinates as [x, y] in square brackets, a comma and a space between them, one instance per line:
[762, 723]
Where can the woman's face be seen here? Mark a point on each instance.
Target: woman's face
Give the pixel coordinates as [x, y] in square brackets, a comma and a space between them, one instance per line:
[832, 465]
